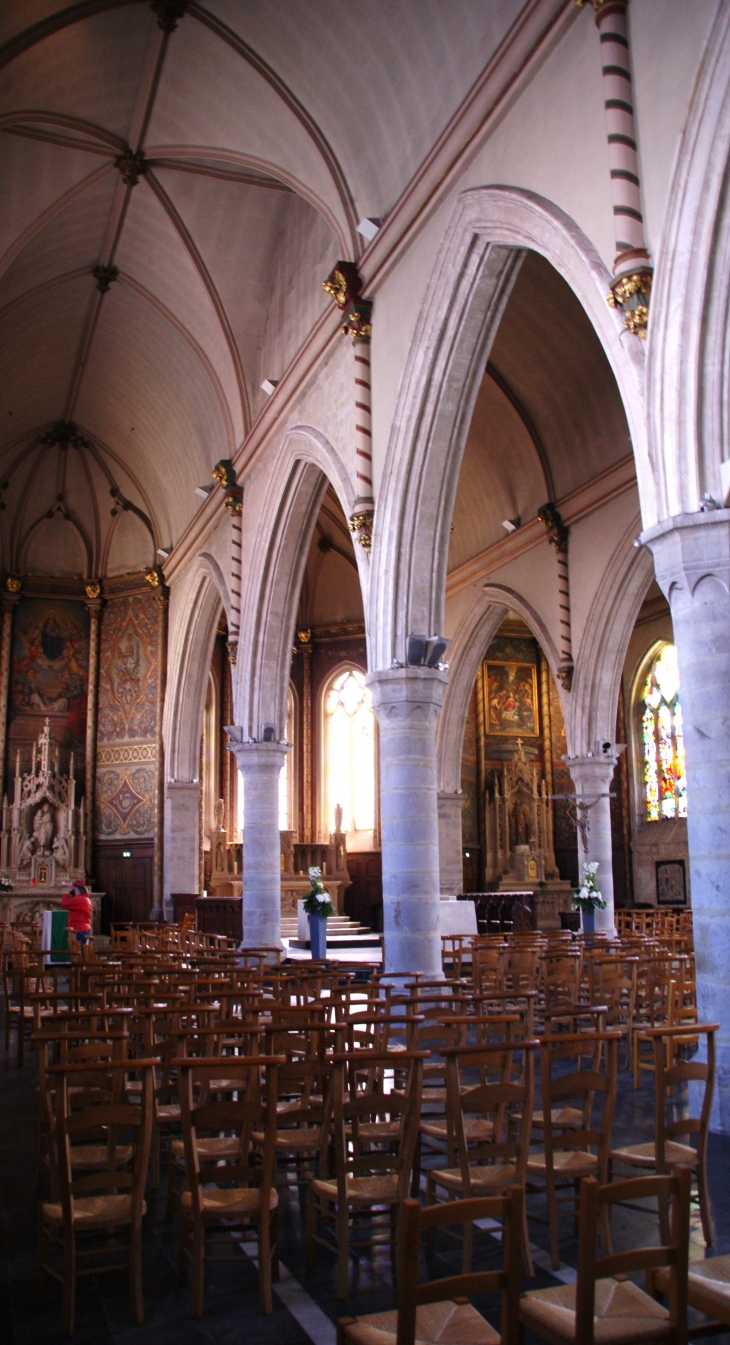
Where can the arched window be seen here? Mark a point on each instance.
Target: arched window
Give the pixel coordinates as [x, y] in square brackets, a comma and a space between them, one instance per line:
[665, 782]
[349, 758]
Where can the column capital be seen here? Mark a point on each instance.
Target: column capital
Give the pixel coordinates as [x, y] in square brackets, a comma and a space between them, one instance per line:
[592, 775]
[253, 756]
[407, 693]
[688, 549]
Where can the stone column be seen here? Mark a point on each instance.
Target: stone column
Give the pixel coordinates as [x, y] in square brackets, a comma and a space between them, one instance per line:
[10, 599]
[592, 776]
[181, 840]
[692, 560]
[260, 765]
[93, 607]
[451, 859]
[162, 596]
[407, 703]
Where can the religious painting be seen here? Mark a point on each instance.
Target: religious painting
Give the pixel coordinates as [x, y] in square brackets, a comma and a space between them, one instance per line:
[671, 882]
[48, 679]
[127, 738]
[511, 696]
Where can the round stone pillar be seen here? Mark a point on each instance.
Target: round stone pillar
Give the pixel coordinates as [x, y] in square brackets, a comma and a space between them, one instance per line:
[592, 778]
[260, 765]
[692, 561]
[407, 703]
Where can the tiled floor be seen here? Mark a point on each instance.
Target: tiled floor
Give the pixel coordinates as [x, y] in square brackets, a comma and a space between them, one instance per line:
[305, 1307]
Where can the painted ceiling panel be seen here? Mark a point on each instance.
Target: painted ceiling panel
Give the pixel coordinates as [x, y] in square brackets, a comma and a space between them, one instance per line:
[90, 69]
[145, 393]
[71, 241]
[210, 96]
[362, 71]
[36, 357]
[32, 177]
[152, 252]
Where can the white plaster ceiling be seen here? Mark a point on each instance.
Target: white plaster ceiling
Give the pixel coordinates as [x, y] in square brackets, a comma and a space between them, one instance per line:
[269, 127]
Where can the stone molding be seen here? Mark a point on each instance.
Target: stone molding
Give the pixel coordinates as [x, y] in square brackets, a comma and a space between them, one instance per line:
[688, 549]
[413, 695]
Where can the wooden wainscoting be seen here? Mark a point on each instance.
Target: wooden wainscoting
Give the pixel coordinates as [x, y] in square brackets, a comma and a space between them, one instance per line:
[123, 870]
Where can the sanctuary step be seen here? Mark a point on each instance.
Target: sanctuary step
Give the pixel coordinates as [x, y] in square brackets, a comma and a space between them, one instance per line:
[342, 932]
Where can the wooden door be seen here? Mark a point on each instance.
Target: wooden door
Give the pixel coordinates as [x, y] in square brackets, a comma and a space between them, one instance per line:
[364, 899]
[125, 874]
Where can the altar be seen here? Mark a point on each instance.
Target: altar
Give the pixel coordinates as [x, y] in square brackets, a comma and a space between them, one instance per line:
[42, 837]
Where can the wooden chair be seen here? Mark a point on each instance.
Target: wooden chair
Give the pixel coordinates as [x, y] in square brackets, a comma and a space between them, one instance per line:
[89, 1098]
[667, 1148]
[603, 1304]
[438, 1311]
[223, 1187]
[568, 1155]
[708, 1291]
[490, 1144]
[372, 1167]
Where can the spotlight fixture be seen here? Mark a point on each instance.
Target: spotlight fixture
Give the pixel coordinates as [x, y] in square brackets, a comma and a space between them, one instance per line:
[164, 552]
[369, 226]
[269, 385]
[511, 524]
[426, 651]
[203, 491]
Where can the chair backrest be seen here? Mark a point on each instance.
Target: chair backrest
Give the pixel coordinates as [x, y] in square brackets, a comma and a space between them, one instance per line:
[671, 1070]
[505, 1281]
[594, 1197]
[89, 1099]
[360, 1098]
[238, 1108]
[592, 1068]
[506, 1087]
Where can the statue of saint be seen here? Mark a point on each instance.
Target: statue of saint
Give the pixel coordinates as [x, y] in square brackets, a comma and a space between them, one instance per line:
[43, 828]
[60, 850]
[27, 850]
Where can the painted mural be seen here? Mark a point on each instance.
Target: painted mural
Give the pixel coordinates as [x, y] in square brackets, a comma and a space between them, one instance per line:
[48, 680]
[511, 699]
[127, 723]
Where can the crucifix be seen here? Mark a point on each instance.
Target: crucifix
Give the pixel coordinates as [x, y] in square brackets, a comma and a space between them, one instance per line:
[579, 811]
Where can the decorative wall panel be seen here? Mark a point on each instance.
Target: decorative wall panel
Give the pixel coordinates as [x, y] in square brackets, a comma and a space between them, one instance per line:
[48, 680]
[127, 720]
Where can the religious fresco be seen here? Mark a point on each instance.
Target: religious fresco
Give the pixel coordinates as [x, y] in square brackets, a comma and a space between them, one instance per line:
[48, 679]
[127, 722]
[511, 695]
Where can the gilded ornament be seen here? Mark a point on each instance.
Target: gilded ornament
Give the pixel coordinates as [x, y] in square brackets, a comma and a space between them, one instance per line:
[232, 651]
[234, 500]
[131, 167]
[13, 584]
[344, 284]
[557, 532]
[153, 577]
[358, 323]
[361, 524]
[93, 589]
[631, 293]
[304, 635]
[336, 285]
[565, 676]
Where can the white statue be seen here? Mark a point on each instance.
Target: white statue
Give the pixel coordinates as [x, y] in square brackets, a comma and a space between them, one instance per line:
[43, 828]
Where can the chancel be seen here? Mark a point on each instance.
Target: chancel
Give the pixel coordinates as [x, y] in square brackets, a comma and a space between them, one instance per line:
[365, 668]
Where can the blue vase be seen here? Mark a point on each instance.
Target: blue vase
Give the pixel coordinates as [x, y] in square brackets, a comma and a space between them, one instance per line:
[589, 921]
[318, 936]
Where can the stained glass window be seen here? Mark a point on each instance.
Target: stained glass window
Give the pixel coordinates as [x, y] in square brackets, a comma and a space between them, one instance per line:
[665, 782]
[350, 754]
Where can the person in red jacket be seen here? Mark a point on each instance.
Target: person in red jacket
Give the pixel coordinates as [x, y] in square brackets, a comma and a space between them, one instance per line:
[78, 904]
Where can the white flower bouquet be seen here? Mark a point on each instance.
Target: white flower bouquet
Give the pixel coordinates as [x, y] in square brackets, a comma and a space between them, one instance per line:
[588, 895]
[317, 900]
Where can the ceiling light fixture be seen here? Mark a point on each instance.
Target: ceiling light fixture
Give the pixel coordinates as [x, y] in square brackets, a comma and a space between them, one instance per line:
[511, 524]
[269, 385]
[164, 551]
[203, 491]
[369, 226]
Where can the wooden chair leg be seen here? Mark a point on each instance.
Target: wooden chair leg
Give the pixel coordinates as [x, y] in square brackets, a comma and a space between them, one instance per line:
[312, 1212]
[343, 1250]
[553, 1224]
[708, 1232]
[467, 1250]
[416, 1175]
[526, 1253]
[135, 1273]
[69, 1283]
[274, 1222]
[40, 1275]
[197, 1271]
[182, 1265]
[605, 1227]
[264, 1241]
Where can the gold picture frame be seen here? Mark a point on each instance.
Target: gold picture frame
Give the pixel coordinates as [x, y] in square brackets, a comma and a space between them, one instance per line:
[510, 691]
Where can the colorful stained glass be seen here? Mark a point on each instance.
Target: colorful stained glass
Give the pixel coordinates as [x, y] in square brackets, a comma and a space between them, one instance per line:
[665, 783]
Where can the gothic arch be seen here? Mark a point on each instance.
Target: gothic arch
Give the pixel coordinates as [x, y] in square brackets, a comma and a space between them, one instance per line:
[591, 711]
[191, 651]
[474, 634]
[276, 551]
[476, 266]
[689, 342]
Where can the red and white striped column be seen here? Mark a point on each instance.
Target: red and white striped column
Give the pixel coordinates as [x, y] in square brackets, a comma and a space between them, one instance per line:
[632, 270]
[557, 535]
[345, 285]
[225, 474]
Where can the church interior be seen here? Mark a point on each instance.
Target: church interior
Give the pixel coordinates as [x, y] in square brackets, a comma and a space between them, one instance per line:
[365, 671]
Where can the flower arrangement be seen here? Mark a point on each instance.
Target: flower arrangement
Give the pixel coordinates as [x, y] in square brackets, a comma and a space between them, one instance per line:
[5, 884]
[317, 900]
[588, 896]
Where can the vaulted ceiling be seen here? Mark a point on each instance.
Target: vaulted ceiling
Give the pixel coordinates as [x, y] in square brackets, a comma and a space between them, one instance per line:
[176, 180]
